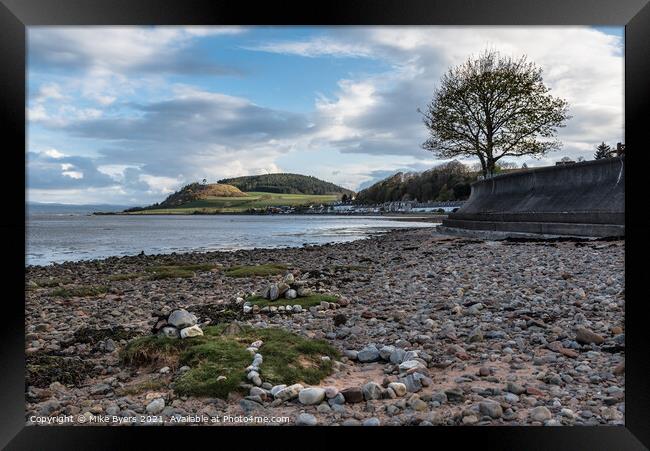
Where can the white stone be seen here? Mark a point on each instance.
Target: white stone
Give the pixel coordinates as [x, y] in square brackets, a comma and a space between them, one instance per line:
[311, 395]
[193, 331]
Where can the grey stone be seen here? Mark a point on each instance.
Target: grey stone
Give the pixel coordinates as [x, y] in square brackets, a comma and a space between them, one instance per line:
[156, 406]
[374, 421]
[540, 414]
[368, 354]
[311, 395]
[491, 409]
[386, 351]
[306, 419]
[397, 356]
[371, 391]
[181, 319]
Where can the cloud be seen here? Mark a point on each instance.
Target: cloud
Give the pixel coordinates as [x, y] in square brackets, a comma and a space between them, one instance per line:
[162, 145]
[124, 49]
[117, 89]
[104, 64]
[377, 115]
[316, 47]
[52, 169]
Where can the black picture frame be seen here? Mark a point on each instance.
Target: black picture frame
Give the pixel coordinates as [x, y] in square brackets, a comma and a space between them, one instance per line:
[16, 15]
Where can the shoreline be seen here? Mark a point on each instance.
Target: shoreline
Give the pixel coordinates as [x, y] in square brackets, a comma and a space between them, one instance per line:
[398, 218]
[493, 323]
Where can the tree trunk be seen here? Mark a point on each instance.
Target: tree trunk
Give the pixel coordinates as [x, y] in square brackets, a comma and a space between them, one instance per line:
[490, 166]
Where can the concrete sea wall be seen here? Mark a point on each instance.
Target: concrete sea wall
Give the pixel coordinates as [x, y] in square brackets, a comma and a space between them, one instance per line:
[581, 199]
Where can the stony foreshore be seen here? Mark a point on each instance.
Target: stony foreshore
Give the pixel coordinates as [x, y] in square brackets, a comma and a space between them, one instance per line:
[436, 331]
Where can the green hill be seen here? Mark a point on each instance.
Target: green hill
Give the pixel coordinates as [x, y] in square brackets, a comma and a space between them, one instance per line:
[284, 183]
[198, 191]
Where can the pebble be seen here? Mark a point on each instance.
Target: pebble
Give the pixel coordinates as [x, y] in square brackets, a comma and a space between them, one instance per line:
[540, 414]
[306, 419]
[156, 406]
[311, 395]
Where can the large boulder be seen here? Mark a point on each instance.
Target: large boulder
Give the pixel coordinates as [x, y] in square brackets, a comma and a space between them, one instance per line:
[274, 292]
[352, 394]
[368, 354]
[181, 319]
[311, 395]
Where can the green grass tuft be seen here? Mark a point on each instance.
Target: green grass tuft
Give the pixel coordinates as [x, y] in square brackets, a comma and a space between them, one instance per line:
[50, 282]
[159, 272]
[125, 276]
[269, 269]
[141, 387]
[304, 302]
[80, 291]
[288, 358]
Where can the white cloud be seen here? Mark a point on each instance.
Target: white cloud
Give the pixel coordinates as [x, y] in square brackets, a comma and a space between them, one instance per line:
[49, 91]
[53, 153]
[316, 47]
[73, 174]
[377, 114]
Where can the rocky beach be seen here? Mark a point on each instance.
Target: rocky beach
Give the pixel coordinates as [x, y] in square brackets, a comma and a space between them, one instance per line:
[419, 329]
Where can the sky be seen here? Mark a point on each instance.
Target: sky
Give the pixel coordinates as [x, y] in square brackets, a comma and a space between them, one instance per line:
[127, 115]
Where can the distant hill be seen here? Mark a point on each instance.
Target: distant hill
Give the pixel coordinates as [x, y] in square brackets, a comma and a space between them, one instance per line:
[198, 191]
[449, 181]
[285, 183]
[215, 198]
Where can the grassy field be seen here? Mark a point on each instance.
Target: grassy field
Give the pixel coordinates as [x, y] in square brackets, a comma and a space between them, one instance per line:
[241, 204]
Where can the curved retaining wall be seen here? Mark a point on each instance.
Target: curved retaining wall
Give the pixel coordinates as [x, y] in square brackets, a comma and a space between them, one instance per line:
[582, 199]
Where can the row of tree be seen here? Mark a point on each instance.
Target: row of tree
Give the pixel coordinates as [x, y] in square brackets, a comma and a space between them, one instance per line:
[286, 183]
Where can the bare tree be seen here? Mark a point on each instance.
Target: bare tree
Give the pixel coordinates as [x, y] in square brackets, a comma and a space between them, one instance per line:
[491, 107]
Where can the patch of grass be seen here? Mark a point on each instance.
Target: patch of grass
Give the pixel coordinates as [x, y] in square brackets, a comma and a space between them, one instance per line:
[252, 200]
[43, 369]
[304, 302]
[218, 313]
[216, 356]
[80, 291]
[140, 387]
[125, 276]
[288, 358]
[159, 272]
[49, 282]
[269, 269]
[155, 350]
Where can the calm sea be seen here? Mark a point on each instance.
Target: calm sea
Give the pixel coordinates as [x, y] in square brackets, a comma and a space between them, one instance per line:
[71, 237]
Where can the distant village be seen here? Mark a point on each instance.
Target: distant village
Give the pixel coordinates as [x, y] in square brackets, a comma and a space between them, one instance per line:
[350, 208]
